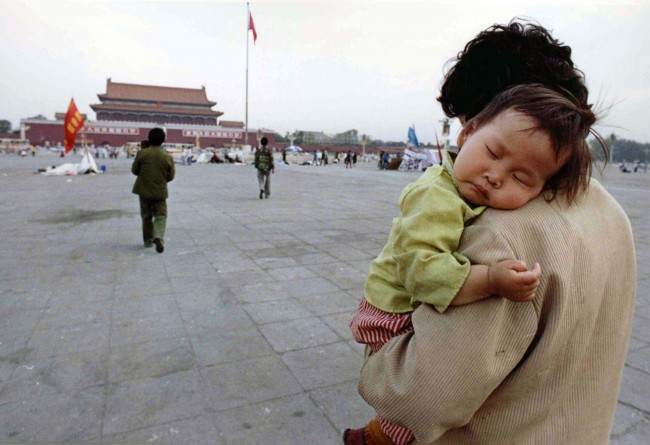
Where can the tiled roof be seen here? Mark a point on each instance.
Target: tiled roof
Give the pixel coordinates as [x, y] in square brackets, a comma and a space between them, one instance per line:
[61, 116]
[231, 124]
[10, 135]
[157, 108]
[131, 91]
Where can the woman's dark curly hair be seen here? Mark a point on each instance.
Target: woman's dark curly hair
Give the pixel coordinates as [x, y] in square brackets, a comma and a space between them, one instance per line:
[507, 55]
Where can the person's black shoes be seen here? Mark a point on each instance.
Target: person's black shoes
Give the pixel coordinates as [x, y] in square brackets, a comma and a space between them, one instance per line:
[267, 195]
[261, 194]
[160, 248]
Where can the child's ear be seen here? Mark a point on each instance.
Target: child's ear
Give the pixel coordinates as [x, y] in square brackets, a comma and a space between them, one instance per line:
[465, 132]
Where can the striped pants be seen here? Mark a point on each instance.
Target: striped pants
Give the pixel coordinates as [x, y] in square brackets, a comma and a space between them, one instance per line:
[374, 327]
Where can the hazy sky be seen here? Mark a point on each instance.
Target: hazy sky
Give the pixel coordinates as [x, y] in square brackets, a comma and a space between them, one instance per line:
[326, 65]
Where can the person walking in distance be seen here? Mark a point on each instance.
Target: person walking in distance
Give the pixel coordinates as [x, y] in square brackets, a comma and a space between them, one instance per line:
[264, 166]
[154, 169]
[348, 159]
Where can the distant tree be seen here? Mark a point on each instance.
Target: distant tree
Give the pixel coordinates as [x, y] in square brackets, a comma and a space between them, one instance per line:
[347, 137]
[279, 138]
[621, 149]
[5, 126]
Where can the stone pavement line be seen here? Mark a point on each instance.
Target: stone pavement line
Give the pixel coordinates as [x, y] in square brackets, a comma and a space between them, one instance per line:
[31, 334]
[180, 418]
[238, 331]
[110, 352]
[260, 323]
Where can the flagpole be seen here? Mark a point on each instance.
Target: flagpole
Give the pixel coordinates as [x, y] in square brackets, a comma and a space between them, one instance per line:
[248, 18]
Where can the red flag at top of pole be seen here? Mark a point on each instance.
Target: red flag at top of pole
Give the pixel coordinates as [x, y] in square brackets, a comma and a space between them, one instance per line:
[72, 124]
[251, 26]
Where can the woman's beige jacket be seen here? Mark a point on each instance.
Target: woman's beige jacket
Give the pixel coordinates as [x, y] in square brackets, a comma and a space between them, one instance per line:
[500, 372]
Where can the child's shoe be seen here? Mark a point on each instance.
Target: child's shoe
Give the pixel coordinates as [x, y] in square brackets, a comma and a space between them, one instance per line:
[371, 434]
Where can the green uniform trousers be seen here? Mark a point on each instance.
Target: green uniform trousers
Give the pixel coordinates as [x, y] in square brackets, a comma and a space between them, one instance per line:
[154, 218]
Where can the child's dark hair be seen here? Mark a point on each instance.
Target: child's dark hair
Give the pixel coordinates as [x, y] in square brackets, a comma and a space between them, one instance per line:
[156, 136]
[565, 119]
[503, 56]
[264, 141]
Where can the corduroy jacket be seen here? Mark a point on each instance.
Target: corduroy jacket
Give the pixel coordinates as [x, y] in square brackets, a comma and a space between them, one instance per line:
[500, 372]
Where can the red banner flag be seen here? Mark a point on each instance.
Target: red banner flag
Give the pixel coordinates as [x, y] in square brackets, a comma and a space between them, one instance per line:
[72, 124]
[251, 26]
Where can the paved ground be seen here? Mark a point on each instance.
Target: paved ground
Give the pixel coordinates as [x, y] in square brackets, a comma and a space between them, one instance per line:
[237, 334]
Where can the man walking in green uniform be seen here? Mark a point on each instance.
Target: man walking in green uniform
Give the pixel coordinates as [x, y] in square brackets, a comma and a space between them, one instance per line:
[154, 169]
[264, 166]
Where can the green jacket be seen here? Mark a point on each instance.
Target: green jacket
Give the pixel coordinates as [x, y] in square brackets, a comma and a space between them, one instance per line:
[420, 262]
[154, 168]
[264, 160]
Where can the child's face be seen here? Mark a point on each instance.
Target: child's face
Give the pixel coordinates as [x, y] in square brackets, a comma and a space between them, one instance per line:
[503, 164]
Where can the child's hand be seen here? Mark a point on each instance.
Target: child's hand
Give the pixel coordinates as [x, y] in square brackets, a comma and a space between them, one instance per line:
[511, 279]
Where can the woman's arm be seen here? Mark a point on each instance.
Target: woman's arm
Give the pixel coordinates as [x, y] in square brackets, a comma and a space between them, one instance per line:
[435, 378]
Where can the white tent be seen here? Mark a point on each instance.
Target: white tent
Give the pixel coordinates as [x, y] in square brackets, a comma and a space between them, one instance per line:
[419, 160]
[203, 158]
[87, 165]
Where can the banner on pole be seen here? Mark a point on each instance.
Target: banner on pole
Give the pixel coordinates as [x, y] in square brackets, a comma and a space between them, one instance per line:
[412, 138]
[72, 124]
[251, 26]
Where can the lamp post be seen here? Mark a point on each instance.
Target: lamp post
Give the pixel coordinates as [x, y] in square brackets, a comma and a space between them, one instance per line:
[445, 132]
[23, 130]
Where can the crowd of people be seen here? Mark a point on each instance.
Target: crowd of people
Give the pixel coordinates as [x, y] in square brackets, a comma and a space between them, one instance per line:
[637, 166]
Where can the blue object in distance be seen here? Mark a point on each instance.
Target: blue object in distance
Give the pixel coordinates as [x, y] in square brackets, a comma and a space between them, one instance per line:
[413, 139]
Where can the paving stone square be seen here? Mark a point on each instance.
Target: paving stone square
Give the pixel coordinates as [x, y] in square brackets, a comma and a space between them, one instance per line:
[138, 403]
[248, 381]
[71, 418]
[230, 345]
[237, 333]
[287, 420]
[199, 430]
[294, 334]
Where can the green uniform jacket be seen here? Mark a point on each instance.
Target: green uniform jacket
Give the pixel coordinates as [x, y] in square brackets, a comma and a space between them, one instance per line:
[154, 168]
[264, 160]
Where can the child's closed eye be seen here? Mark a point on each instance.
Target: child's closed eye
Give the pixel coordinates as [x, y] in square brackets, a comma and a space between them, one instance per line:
[519, 179]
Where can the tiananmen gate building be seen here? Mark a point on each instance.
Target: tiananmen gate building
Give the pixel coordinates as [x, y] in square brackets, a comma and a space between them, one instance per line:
[127, 112]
